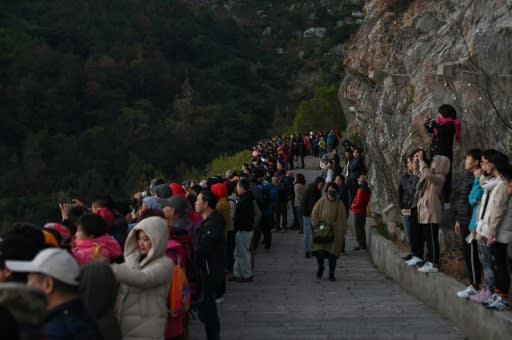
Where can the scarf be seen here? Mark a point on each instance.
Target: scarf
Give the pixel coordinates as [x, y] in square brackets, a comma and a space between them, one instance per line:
[456, 124]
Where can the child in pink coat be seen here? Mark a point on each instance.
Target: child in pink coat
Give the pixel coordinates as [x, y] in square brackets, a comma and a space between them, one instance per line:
[92, 242]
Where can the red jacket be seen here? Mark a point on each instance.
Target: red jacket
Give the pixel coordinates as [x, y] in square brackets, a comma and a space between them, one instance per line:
[360, 202]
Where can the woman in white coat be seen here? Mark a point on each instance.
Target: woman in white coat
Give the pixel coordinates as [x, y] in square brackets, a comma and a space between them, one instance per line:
[144, 279]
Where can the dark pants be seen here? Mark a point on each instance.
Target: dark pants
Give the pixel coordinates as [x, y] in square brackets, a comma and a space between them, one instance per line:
[264, 228]
[501, 275]
[230, 248]
[431, 235]
[208, 311]
[417, 239]
[282, 215]
[359, 223]
[352, 187]
[321, 255]
[295, 216]
[473, 265]
[291, 160]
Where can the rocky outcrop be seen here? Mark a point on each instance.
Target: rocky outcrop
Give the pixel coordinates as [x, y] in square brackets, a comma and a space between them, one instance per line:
[407, 59]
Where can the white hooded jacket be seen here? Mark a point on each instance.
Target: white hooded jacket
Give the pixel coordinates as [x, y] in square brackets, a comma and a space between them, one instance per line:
[496, 196]
[141, 304]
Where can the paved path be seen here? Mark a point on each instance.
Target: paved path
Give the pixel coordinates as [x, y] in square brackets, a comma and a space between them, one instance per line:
[287, 301]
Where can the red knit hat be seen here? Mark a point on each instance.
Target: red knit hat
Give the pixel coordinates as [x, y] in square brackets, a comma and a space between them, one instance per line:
[219, 190]
[106, 215]
[177, 189]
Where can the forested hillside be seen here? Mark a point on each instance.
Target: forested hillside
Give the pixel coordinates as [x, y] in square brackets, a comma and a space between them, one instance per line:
[98, 96]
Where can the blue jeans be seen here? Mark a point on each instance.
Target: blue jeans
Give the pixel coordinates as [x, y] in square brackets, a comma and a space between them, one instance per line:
[307, 233]
[485, 254]
[406, 220]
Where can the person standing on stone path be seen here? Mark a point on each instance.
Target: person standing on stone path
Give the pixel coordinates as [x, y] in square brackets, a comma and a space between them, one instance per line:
[492, 251]
[210, 252]
[503, 238]
[430, 205]
[355, 169]
[299, 188]
[463, 213]
[312, 194]
[244, 229]
[443, 130]
[144, 279]
[406, 190]
[359, 208]
[331, 212]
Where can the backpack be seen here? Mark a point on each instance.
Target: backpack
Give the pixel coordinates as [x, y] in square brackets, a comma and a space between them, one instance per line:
[188, 256]
[179, 292]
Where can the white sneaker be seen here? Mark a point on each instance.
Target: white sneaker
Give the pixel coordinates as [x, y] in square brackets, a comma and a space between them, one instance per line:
[413, 261]
[428, 267]
[466, 293]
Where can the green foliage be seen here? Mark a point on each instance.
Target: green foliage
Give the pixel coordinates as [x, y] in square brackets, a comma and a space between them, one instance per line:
[356, 139]
[382, 230]
[101, 96]
[225, 162]
[321, 111]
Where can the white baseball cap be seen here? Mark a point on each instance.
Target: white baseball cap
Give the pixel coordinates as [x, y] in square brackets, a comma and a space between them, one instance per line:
[54, 262]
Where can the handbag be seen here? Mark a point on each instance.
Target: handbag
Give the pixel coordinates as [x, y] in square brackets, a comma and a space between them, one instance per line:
[323, 233]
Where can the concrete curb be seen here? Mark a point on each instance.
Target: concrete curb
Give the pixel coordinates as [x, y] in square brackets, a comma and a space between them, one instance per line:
[438, 291]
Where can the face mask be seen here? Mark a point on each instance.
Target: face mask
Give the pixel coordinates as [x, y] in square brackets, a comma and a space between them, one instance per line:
[332, 195]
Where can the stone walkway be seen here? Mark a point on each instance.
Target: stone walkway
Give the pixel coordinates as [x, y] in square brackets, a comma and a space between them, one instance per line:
[287, 301]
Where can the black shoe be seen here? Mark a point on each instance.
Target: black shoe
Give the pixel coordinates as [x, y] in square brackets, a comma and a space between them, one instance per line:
[357, 248]
[319, 273]
[245, 279]
[232, 278]
[408, 257]
[308, 255]
[365, 248]
[331, 277]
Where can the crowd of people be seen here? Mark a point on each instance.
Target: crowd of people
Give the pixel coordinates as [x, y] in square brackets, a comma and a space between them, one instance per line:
[480, 204]
[105, 273]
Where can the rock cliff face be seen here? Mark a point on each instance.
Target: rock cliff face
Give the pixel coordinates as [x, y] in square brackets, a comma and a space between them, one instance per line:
[407, 59]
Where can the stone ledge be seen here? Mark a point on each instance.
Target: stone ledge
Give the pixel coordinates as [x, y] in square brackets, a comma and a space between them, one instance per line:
[438, 291]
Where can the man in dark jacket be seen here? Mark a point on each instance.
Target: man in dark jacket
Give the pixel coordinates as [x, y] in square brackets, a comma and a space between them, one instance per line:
[463, 212]
[243, 222]
[406, 191]
[355, 169]
[55, 272]
[312, 194]
[210, 251]
[281, 211]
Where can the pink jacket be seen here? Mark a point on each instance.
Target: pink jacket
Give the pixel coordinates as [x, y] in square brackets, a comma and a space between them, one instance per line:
[102, 248]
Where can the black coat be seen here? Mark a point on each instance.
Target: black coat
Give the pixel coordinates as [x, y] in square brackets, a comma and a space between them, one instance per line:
[461, 208]
[244, 212]
[442, 141]
[311, 196]
[406, 190]
[211, 245]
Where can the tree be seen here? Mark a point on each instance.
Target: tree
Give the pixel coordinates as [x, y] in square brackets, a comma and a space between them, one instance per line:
[321, 111]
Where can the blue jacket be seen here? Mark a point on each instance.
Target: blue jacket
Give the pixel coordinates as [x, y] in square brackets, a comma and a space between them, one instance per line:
[71, 321]
[475, 196]
[268, 187]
